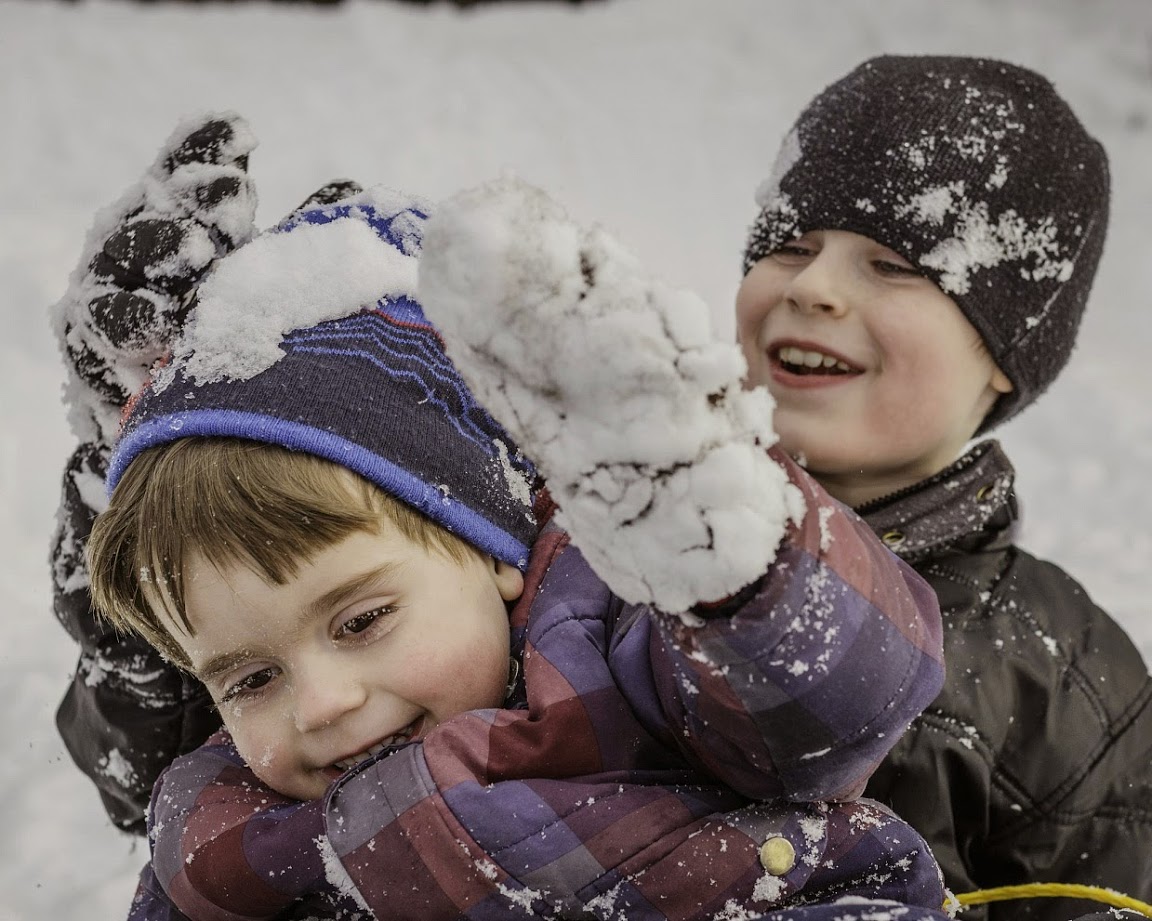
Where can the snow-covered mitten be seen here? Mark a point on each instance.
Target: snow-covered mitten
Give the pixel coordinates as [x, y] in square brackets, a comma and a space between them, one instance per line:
[615, 386]
[142, 260]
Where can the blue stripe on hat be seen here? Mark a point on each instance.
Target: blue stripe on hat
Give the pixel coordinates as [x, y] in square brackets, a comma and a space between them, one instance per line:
[446, 511]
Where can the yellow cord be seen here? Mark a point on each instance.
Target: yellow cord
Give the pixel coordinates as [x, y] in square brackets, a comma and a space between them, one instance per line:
[1067, 890]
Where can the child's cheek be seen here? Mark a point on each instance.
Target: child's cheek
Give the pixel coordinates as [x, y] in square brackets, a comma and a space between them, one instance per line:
[265, 759]
[259, 752]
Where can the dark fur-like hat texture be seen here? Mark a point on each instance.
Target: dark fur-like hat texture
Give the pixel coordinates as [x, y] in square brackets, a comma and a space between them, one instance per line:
[974, 170]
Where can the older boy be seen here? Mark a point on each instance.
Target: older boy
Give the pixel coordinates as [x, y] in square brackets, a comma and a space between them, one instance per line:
[917, 274]
[312, 515]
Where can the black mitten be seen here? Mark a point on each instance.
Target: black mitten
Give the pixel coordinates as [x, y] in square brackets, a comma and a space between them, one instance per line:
[144, 256]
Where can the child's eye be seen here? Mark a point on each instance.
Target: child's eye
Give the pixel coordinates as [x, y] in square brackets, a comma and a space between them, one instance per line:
[792, 250]
[885, 267]
[359, 623]
[250, 685]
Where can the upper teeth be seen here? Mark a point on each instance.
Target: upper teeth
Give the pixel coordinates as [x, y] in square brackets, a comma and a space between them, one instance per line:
[792, 355]
[402, 736]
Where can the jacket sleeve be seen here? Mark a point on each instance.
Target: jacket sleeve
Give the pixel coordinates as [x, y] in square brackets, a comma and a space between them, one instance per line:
[800, 684]
[224, 846]
[151, 902]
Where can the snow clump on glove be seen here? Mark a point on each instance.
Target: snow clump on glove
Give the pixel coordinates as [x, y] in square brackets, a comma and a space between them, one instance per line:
[614, 385]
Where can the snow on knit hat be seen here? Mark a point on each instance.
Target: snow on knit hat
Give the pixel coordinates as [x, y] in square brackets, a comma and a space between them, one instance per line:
[310, 338]
[974, 170]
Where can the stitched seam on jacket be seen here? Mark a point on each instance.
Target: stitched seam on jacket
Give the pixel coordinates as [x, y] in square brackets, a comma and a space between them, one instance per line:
[1093, 700]
[561, 818]
[1003, 780]
[1133, 814]
[1115, 732]
[1011, 786]
[956, 577]
[940, 720]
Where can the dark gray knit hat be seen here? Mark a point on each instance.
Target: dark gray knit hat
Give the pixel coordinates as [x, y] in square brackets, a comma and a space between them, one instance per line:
[974, 170]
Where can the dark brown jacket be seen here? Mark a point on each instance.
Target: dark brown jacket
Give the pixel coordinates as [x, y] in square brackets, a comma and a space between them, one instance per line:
[1035, 762]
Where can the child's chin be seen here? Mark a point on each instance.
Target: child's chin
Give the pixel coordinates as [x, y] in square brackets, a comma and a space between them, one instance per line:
[309, 786]
[794, 440]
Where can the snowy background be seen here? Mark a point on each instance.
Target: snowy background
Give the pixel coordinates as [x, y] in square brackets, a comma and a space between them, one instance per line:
[655, 117]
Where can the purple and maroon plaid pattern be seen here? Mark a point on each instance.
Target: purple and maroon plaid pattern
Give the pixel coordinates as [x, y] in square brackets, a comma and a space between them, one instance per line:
[651, 762]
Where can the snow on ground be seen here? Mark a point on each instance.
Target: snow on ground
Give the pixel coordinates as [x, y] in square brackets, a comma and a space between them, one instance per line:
[656, 117]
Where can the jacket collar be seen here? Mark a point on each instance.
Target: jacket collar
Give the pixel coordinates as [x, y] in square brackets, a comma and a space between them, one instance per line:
[968, 506]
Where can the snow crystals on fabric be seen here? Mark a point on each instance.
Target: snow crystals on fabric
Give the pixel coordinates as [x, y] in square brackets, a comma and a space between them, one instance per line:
[336, 874]
[980, 242]
[862, 909]
[281, 282]
[518, 484]
[115, 766]
[815, 830]
[734, 911]
[769, 888]
[614, 385]
[604, 905]
[989, 119]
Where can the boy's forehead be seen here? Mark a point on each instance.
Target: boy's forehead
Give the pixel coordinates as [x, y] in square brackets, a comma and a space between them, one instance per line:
[237, 597]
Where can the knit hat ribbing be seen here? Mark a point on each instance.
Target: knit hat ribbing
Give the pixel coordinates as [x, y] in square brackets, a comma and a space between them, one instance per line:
[373, 392]
[974, 170]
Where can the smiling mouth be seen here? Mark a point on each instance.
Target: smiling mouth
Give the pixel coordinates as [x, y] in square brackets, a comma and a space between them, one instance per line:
[805, 362]
[407, 734]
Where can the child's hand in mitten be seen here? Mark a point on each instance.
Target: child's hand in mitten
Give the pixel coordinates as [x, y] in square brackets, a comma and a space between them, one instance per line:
[143, 258]
[614, 385]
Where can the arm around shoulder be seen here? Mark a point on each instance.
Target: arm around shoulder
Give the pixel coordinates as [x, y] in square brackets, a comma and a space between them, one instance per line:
[798, 685]
[224, 846]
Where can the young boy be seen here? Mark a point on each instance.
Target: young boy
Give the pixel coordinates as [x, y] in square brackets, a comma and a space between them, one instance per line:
[433, 710]
[916, 276]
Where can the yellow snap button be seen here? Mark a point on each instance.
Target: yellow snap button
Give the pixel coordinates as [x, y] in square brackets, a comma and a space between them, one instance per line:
[777, 856]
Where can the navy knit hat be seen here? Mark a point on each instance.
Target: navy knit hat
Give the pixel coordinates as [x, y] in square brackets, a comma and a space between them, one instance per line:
[370, 389]
[974, 170]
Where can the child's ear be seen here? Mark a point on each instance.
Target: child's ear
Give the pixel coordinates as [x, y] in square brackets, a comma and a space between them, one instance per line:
[1000, 382]
[509, 580]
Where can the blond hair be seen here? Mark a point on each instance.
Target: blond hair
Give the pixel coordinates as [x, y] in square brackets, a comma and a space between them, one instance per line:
[231, 501]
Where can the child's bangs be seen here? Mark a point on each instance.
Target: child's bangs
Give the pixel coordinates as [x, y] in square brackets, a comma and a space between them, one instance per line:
[236, 502]
[230, 502]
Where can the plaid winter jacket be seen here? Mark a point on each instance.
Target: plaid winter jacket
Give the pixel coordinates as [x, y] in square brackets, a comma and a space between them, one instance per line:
[655, 768]
[1035, 762]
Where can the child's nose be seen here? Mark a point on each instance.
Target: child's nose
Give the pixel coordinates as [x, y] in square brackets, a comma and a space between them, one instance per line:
[819, 287]
[323, 695]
